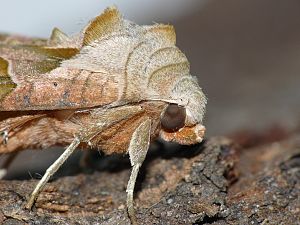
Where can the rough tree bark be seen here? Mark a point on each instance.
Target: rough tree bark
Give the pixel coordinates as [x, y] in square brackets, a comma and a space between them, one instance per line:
[211, 183]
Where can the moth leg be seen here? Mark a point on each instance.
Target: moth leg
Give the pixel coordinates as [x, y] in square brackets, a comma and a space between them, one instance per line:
[50, 171]
[138, 149]
[10, 158]
[105, 120]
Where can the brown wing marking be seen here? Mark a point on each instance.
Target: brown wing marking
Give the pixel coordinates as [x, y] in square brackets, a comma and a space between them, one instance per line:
[82, 89]
[109, 21]
[6, 84]
[161, 32]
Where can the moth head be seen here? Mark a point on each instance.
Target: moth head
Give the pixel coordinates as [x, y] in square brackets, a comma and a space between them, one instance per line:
[181, 121]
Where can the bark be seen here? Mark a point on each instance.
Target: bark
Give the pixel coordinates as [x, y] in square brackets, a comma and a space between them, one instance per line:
[211, 183]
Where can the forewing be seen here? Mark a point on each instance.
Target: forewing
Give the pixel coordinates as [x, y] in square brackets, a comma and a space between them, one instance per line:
[32, 76]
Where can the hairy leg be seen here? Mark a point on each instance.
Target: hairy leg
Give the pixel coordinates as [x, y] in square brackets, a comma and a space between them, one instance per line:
[104, 120]
[51, 170]
[138, 149]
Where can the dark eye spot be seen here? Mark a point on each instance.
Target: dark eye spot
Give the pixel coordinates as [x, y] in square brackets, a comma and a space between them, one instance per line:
[173, 118]
[55, 84]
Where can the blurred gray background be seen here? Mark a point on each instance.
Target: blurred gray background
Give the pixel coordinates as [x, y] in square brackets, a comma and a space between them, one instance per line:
[246, 53]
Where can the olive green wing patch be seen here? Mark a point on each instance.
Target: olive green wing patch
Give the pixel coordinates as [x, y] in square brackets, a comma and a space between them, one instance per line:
[43, 59]
[6, 84]
[109, 21]
[55, 53]
[54, 56]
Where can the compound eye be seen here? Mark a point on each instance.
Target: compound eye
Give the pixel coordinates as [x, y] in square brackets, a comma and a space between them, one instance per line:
[173, 118]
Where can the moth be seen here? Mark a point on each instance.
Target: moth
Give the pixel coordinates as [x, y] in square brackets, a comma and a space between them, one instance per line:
[115, 86]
